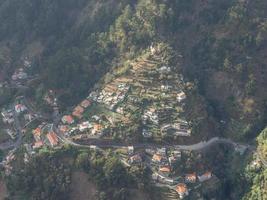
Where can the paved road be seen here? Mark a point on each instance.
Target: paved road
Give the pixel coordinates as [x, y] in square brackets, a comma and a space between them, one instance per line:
[111, 144]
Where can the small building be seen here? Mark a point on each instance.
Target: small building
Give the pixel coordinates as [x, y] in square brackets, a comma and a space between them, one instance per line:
[177, 154]
[182, 190]
[157, 158]
[96, 118]
[67, 119]
[166, 170]
[130, 150]
[120, 110]
[135, 159]
[204, 177]
[28, 117]
[64, 128]
[37, 133]
[19, 75]
[38, 144]
[19, 108]
[78, 111]
[181, 96]
[11, 133]
[7, 116]
[146, 133]
[191, 178]
[77, 114]
[162, 151]
[85, 103]
[97, 128]
[52, 137]
[164, 69]
[85, 126]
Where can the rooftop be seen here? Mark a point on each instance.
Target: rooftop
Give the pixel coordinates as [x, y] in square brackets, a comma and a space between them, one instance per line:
[52, 137]
[67, 119]
[181, 188]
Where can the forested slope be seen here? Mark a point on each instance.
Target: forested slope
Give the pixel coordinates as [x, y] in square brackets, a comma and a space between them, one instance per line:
[220, 48]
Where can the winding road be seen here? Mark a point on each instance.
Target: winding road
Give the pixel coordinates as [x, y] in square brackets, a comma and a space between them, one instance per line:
[100, 143]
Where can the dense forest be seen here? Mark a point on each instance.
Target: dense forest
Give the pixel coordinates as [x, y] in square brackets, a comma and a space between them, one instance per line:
[222, 43]
[221, 47]
[48, 176]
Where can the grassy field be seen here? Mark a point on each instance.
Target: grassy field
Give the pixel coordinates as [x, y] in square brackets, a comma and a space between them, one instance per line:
[97, 109]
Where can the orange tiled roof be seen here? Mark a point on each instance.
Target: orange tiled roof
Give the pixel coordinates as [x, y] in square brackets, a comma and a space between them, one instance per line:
[37, 132]
[63, 128]
[157, 157]
[52, 137]
[77, 114]
[97, 127]
[85, 103]
[68, 119]
[38, 144]
[165, 169]
[181, 188]
[136, 158]
[191, 177]
[79, 109]
[207, 174]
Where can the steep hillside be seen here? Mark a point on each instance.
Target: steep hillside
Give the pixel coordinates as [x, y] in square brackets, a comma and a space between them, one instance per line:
[60, 39]
[153, 71]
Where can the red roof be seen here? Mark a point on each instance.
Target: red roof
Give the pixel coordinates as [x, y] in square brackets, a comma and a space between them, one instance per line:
[38, 144]
[191, 177]
[85, 103]
[37, 132]
[68, 119]
[181, 188]
[52, 137]
[165, 169]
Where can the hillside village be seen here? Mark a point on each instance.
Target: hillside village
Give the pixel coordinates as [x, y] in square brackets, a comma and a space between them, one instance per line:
[135, 92]
[145, 94]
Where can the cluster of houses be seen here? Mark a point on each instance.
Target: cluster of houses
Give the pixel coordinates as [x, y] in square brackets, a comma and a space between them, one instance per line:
[25, 116]
[154, 117]
[165, 162]
[73, 124]
[6, 163]
[111, 95]
[19, 75]
[180, 128]
[7, 115]
[182, 188]
[150, 115]
[44, 135]
[50, 98]
[93, 129]
[10, 113]
[77, 112]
